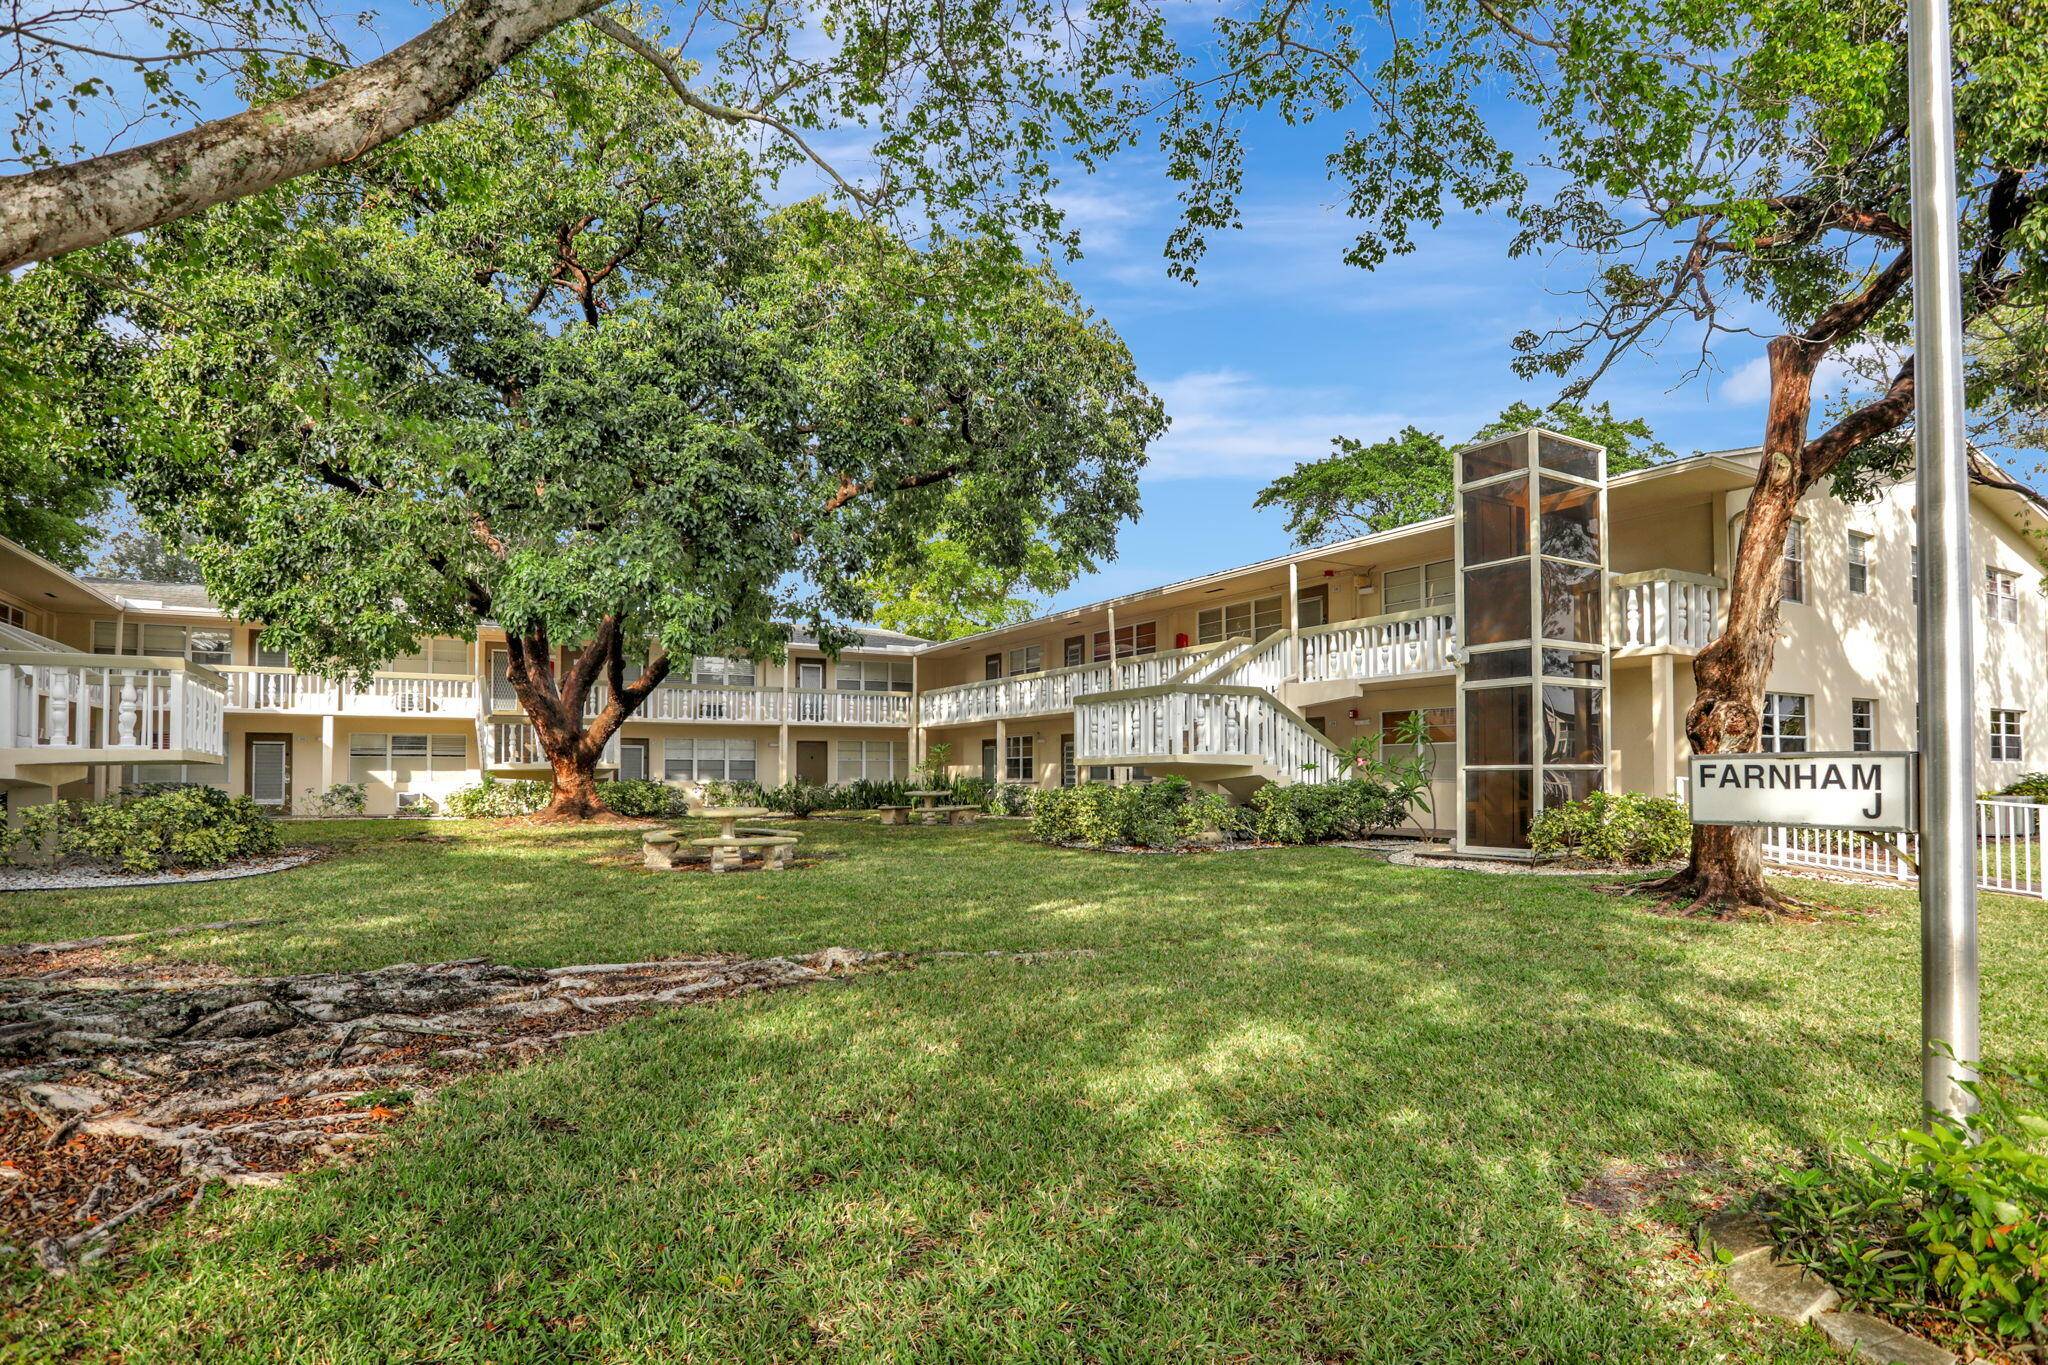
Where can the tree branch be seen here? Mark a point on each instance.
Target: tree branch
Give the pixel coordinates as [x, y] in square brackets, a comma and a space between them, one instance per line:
[46, 213]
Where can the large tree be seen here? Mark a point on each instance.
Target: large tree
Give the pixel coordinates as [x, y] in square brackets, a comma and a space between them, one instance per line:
[1365, 487]
[550, 364]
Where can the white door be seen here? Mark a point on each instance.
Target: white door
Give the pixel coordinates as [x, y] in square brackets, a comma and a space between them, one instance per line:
[810, 676]
[503, 698]
[633, 760]
[267, 771]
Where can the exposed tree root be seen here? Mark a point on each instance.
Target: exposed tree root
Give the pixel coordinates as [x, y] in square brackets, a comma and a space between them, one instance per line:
[1707, 894]
[122, 1090]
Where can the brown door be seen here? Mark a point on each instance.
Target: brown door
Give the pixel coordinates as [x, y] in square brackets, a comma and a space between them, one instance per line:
[267, 767]
[810, 761]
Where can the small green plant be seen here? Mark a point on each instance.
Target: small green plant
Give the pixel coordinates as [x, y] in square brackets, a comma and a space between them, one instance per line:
[1621, 829]
[1351, 809]
[933, 771]
[343, 798]
[1950, 1220]
[1009, 798]
[2034, 786]
[643, 798]
[495, 799]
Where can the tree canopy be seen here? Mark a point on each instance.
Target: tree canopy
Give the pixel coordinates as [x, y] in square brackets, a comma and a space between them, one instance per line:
[552, 363]
[1366, 487]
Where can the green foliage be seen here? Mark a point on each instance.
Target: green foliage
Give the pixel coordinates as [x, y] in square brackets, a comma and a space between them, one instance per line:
[343, 798]
[939, 591]
[149, 829]
[643, 798]
[1364, 488]
[1950, 1220]
[494, 798]
[1621, 828]
[2033, 785]
[1301, 814]
[130, 549]
[1010, 798]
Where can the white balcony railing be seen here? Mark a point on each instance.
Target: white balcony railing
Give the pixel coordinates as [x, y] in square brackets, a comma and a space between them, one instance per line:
[513, 744]
[88, 703]
[1203, 726]
[1665, 609]
[1055, 690]
[811, 707]
[388, 694]
[1400, 644]
[764, 705]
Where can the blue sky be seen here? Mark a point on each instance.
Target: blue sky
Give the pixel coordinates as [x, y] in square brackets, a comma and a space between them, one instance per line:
[1281, 346]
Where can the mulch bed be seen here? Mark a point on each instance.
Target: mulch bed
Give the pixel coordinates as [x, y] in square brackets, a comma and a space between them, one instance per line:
[127, 1090]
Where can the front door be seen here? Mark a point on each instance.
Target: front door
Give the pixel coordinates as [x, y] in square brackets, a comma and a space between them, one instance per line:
[270, 771]
[989, 759]
[810, 761]
[632, 760]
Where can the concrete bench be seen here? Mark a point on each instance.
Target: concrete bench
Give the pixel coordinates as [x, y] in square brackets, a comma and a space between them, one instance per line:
[958, 815]
[895, 815]
[661, 849]
[727, 854]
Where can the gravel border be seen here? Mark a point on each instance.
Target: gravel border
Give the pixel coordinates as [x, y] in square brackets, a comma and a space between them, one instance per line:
[96, 879]
[1507, 867]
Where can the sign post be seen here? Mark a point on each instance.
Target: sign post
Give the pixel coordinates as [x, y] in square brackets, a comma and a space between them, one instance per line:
[1948, 846]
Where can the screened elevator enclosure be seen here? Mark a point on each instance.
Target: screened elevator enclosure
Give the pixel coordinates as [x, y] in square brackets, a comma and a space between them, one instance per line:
[1530, 541]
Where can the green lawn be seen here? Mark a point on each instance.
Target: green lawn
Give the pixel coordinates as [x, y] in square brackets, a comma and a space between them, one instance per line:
[1285, 1105]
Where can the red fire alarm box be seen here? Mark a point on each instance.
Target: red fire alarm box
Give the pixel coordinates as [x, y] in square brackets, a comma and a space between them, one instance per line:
[1180, 641]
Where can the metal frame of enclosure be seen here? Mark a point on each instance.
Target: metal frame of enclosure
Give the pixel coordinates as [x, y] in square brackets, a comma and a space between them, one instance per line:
[1533, 667]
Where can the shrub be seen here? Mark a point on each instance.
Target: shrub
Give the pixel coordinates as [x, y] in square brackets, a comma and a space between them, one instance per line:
[1009, 798]
[1305, 814]
[643, 798]
[492, 798]
[155, 828]
[2034, 786]
[1614, 828]
[1162, 814]
[343, 798]
[1950, 1220]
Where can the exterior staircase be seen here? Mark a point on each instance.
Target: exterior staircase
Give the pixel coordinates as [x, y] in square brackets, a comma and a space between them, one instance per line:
[1217, 721]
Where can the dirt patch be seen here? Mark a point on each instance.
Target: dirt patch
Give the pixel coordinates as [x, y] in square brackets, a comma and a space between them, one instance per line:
[1622, 1187]
[127, 1089]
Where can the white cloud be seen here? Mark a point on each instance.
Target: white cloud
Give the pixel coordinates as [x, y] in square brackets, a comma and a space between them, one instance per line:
[1230, 424]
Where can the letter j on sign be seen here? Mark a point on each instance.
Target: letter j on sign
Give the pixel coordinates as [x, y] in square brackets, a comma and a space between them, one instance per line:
[1870, 791]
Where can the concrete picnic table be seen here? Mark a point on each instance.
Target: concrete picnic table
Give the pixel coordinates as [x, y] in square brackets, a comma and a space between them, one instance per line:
[728, 818]
[927, 801]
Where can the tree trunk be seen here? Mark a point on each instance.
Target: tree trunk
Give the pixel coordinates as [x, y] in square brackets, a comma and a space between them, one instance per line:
[46, 213]
[575, 795]
[1726, 870]
[571, 742]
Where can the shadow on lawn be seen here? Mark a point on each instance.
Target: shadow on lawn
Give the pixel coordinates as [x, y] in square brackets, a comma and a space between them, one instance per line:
[1294, 1105]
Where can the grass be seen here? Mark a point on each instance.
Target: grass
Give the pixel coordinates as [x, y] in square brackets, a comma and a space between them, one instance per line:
[1276, 1106]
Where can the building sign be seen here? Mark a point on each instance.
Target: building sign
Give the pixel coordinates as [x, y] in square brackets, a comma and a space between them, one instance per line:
[1828, 791]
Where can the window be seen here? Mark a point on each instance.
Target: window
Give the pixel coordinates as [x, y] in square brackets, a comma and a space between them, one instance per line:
[1792, 576]
[707, 760]
[12, 615]
[1859, 563]
[1132, 640]
[2002, 594]
[871, 760]
[438, 654]
[1784, 723]
[708, 672]
[991, 667]
[200, 644]
[1421, 585]
[1017, 765]
[269, 654]
[871, 675]
[404, 761]
[1252, 620]
[1075, 651]
[1027, 659]
[1862, 725]
[2005, 736]
[1442, 722]
[1312, 606]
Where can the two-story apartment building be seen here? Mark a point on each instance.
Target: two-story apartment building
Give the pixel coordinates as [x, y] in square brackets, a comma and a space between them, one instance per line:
[1543, 630]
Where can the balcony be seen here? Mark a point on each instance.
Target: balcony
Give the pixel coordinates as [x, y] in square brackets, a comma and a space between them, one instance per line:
[61, 709]
[1050, 692]
[1664, 609]
[763, 706]
[281, 691]
[512, 749]
[1401, 644]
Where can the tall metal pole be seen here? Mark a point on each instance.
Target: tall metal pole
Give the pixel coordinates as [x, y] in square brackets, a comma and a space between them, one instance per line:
[1948, 848]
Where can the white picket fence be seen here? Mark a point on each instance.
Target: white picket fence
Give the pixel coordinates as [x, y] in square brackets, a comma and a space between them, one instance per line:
[2009, 850]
